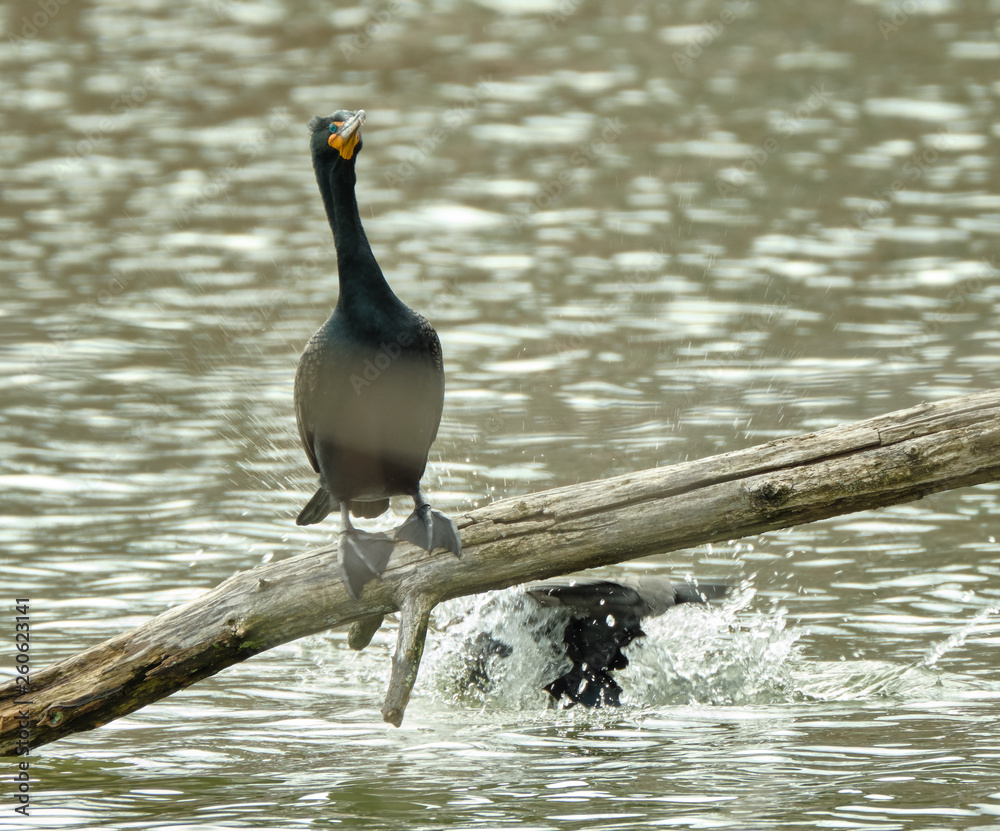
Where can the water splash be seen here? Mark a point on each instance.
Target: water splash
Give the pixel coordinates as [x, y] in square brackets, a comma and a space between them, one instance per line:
[939, 650]
[719, 655]
[920, 680]
[496, 652]
[500, 653]
[526, 651]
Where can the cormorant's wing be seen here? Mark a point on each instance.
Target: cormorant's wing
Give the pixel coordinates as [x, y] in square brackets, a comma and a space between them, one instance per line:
[433, 343]
[306, 379]
[428, 339]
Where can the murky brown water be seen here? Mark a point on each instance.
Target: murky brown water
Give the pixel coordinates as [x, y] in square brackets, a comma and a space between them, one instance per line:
[645, 233]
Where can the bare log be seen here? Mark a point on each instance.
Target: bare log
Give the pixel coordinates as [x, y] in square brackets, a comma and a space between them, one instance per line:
[894, 458]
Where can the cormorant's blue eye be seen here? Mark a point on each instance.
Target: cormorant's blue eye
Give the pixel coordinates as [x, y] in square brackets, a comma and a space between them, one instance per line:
[334, 128]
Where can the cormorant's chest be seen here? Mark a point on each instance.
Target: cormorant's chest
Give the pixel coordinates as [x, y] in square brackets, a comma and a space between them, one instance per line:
[399, 332]
[379, 376]
[386, 357]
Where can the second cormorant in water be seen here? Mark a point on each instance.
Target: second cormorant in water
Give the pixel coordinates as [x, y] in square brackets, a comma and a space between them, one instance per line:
[369, 389]
[594, 619]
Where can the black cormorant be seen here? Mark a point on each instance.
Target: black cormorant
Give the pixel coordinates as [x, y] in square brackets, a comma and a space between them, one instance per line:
[604, 617]
[369, 389]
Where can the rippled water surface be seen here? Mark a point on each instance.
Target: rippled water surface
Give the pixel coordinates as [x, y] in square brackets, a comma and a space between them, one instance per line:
[645, 232]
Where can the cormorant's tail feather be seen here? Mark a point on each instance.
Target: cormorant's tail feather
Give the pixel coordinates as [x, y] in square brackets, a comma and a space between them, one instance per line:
[316, 509]
[369, 510]
[363, 557]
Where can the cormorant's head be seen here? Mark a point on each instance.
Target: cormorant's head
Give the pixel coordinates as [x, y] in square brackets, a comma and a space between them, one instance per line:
[338, 134]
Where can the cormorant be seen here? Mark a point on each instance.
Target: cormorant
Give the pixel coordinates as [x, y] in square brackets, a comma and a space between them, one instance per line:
[604, 617]
[369, 388]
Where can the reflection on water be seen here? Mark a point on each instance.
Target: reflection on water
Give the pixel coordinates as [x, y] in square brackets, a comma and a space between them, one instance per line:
[645, 233]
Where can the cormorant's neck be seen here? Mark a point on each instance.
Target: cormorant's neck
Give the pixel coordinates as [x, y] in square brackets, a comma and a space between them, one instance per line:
[360, 276]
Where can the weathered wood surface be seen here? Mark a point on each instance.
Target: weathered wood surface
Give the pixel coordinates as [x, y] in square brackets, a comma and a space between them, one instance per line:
[894, 458]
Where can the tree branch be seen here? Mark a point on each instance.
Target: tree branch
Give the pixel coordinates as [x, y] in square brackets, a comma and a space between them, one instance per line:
[894, 458]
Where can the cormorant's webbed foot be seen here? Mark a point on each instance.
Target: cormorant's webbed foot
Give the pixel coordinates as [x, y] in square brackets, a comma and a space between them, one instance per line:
[430, 529]
[363, 556]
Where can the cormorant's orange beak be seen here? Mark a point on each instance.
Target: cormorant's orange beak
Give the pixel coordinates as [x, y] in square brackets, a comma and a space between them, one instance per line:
[348, 133]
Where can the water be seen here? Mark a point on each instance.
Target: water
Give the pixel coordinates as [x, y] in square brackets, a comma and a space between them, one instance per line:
[645, 233]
